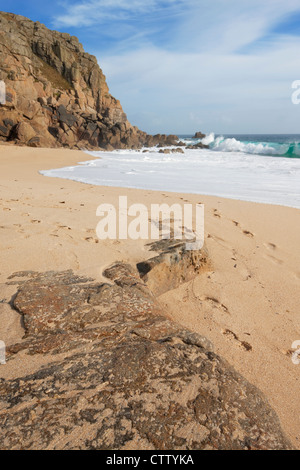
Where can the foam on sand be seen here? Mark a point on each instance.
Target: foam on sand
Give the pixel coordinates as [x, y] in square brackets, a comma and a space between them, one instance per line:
[235, 174]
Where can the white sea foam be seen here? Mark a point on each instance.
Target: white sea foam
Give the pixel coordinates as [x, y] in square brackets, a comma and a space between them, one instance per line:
[235, 175]
[209, 139]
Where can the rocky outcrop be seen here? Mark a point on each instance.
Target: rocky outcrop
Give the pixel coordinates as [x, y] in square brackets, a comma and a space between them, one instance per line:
[56, 94]
[199, 145]
[172, 266]
[173, 150]
[199, 135]
[121, 375]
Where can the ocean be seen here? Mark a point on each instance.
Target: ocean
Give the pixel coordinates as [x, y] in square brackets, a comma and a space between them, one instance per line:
[257, 168]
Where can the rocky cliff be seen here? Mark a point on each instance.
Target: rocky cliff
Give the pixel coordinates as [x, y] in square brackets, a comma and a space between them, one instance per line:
[56, 94]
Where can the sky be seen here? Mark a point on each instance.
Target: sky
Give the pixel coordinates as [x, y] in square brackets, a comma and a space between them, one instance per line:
[181, 66]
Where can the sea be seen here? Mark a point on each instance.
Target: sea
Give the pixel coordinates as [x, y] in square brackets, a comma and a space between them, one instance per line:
[257, 168]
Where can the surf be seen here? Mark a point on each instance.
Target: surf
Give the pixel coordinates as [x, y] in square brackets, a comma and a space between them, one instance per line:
[263, 148]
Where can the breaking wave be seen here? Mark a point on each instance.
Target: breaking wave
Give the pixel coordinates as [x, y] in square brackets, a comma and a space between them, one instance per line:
[222, 144]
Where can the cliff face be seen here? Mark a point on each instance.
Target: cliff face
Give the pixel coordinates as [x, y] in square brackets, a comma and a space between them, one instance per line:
[56, 94]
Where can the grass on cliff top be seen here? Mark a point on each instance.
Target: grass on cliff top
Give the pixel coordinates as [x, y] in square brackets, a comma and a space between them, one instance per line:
[52, 75]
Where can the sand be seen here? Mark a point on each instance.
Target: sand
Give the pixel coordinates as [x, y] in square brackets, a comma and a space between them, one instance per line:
[248, 304]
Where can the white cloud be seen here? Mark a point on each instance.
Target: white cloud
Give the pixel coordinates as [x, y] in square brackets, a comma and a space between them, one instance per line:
[90, 12]
[222, 93]
[194, 73]
[227, 25]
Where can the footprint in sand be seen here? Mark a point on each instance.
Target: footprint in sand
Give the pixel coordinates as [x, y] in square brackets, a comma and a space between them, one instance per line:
[233, 337]
[19, 228]
[217, 214]
[184, 200]
[287, 352]
[271, 246]
[216, 238]
[91, 240]
[245, 274]
[215, 303]
[220, 241]
[245, 232]
[274, 260]
[248, 234]
[65, 227]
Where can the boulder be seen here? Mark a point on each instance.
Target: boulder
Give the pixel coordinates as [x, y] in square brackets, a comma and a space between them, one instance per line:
[199, 135]
[120, 375]
[197, 146]
[24, 132]
[173, 266]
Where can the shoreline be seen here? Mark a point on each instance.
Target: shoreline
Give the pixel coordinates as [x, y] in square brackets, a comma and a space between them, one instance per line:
[149, 167]
[247, 305]
[174, 193]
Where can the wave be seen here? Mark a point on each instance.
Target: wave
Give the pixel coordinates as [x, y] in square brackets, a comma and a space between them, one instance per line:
[209, 139]
[222, 144]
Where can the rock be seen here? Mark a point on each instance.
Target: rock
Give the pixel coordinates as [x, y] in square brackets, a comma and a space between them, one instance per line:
[161, 140]
[173, 265]
[8, 123]
[34, 142]
[199, 135]
[64, 117]
[30, 108]
[24, 132]
[121, 375]
[4, 131]
[197, 146]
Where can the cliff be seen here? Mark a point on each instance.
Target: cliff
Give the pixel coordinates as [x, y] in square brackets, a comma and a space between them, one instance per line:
[56, 93]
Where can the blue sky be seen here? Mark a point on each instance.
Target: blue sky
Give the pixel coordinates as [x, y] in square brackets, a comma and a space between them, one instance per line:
[179, 66]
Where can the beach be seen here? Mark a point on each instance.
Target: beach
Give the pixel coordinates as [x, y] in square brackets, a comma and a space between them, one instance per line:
[247, 304]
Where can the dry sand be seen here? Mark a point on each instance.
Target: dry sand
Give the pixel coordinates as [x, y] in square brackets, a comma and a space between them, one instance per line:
[248, 305]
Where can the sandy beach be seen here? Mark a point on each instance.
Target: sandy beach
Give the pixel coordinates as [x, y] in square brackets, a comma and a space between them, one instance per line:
[248, 303]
